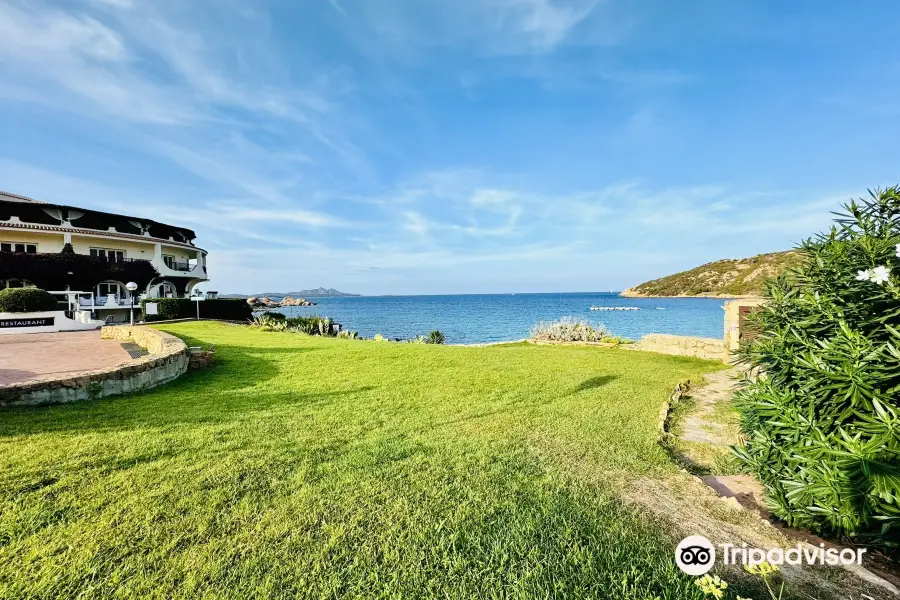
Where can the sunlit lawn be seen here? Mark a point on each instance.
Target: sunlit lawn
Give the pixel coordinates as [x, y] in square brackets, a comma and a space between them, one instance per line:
[306, 467]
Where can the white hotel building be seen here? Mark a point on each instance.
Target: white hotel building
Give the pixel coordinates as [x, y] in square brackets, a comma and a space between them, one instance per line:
[64, 248]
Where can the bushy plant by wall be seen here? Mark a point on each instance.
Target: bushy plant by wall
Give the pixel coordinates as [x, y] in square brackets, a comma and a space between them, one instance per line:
[822, 412]
[21, 300]
[227, 309]
[567, 329]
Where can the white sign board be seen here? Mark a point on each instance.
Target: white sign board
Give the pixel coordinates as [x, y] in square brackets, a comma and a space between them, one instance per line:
[150, 308]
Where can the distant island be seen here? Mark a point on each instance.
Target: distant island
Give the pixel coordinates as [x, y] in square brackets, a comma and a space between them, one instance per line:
[729, 278]
[316, 293]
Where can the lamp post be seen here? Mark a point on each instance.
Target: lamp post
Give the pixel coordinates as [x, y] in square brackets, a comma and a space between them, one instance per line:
[131, 287]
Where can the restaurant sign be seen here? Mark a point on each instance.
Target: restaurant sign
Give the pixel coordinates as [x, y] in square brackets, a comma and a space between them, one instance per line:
[34, 322]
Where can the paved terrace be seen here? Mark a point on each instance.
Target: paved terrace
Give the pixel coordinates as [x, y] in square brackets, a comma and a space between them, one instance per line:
[36, 356]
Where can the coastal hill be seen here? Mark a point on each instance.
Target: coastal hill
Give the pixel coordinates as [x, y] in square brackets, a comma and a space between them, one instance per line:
[316, 293]
[722, 278]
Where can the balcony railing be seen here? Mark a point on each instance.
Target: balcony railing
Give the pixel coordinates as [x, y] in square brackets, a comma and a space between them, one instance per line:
[113, 259]
[180, 266]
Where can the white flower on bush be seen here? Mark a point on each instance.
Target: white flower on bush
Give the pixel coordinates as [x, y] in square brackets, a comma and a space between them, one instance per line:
[898, 250]
[881, 275]
[865, 275]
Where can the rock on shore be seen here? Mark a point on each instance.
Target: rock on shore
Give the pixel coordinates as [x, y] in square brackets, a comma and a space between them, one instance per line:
[266, 302]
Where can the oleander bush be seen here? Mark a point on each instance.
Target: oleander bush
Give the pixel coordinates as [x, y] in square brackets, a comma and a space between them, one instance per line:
[21, 300]
[821, 410]
[568, 329]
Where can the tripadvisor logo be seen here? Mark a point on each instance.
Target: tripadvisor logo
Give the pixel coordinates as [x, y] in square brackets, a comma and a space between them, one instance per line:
[696, 555]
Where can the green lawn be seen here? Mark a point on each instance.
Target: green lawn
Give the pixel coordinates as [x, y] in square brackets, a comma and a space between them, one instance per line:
[307, 467]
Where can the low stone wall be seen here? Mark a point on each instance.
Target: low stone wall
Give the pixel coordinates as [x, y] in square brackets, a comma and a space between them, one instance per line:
[168, 359]
[708, 348]
[153, 340]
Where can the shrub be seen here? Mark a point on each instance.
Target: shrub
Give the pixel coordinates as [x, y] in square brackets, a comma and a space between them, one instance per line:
[822, 419]
[314, 325]
[567, 329]
[310, 325]
[267, 322]
[19, 300]
[435, 337]
[226, 309]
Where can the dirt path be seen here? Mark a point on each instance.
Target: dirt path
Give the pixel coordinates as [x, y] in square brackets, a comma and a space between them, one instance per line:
[715, 500]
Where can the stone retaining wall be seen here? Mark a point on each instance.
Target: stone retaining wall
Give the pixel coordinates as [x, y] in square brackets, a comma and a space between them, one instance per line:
[680, 345]
[168, 359]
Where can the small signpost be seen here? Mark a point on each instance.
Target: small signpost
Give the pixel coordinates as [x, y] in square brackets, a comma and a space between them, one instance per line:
[197, 299]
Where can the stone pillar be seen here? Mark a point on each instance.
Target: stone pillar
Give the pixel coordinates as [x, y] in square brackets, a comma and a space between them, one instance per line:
[734, 310]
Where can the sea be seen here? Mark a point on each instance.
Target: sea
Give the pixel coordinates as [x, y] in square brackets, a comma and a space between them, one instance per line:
[483, 318]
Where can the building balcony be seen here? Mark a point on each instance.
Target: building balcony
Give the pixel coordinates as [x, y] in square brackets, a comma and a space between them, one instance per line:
[181, 269]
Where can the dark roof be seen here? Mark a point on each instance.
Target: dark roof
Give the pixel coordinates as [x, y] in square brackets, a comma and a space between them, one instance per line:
[98, 233]
[25, 199]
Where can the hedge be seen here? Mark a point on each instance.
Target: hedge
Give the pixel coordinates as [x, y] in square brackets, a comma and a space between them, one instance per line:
[56, 271]
[21, 300]
[820, 407]
[227, 309]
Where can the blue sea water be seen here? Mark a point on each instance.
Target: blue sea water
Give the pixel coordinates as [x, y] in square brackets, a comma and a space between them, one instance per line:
[477, 318]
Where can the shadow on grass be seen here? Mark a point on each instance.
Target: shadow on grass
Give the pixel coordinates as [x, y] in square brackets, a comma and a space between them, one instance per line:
[594, 383]
[225, 391]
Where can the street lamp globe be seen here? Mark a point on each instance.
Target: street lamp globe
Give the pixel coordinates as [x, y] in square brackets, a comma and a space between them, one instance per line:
[131, 287]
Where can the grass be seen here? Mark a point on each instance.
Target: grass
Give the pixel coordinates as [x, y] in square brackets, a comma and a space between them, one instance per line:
[311, 467]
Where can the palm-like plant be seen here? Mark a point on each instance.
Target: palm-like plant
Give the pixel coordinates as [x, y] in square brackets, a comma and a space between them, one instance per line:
[436, 337]
[821, 408]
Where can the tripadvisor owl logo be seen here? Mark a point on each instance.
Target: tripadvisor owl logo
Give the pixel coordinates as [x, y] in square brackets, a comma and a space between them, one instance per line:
[695, 555]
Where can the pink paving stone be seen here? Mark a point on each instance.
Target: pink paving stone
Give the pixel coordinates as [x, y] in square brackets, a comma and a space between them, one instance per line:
[35, 356]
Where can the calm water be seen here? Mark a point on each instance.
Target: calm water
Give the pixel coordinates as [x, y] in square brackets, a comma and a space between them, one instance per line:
[469, 319]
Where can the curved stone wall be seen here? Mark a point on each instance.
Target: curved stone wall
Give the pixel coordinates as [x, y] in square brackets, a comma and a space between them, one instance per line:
[168, 359]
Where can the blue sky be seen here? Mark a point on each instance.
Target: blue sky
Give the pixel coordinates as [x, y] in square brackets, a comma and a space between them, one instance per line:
[424, 146]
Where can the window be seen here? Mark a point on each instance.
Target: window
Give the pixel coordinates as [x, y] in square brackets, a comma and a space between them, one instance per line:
[18, 247]
[110, 255]
[110, 288]
[169, 260]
